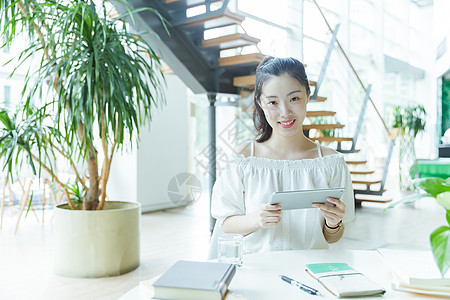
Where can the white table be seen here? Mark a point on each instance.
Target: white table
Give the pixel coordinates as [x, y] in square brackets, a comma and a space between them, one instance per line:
[258, 278]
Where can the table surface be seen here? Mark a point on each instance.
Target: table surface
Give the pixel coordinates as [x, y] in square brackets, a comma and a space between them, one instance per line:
[258, 278]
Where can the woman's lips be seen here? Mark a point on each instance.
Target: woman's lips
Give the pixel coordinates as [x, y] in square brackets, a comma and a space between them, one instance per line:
[287, 124]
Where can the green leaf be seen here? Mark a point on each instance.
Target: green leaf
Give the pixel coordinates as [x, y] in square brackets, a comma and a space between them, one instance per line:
[29, 205]
[431, 185]
[440, 245]
[447, 182]
[444, 200]
[408, 199]
[447, 215]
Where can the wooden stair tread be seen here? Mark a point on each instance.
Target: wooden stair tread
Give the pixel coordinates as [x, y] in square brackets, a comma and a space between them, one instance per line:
[366, 181]
[248, 81]
[332, 139]
[362, 172]
[220, 20]
[371, 198]
[323, 126]
[230, 41]
[356, 161]
[241, 59]
[320, 113]
[318, 99]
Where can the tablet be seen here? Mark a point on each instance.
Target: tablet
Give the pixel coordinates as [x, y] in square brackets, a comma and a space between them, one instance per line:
[304, 198]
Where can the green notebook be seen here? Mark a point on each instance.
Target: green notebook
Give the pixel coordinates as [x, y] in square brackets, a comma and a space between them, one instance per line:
[343, 281]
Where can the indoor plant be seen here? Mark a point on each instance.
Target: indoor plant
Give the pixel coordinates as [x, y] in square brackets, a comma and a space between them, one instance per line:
[96, 84]
[439, 189]
[410, 121]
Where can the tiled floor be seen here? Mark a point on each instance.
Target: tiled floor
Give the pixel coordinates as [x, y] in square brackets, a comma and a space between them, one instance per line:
[166, 236]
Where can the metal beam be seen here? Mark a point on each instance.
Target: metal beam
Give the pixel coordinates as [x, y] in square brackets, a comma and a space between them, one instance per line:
[325, 62]
[212, 150]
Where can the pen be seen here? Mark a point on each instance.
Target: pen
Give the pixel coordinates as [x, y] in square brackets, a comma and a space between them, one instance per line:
[303, 287]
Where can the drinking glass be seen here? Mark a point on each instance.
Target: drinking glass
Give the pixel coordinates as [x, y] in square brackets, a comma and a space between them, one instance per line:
[230, 248]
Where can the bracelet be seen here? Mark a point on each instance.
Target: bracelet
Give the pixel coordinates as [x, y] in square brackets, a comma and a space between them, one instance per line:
[339, 225]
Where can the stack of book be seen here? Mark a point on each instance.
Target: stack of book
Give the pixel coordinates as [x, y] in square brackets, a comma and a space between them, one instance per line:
[416, 272]
[192, 280]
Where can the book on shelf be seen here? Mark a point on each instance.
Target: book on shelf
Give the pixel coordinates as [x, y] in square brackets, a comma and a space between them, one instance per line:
[416, 271]
[343, 281]
[194, 280]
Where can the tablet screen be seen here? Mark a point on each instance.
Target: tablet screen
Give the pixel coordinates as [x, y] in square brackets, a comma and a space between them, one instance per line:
[302, 199]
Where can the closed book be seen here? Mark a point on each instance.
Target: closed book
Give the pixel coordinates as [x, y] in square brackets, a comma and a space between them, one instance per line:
[193, 280]
[416, 271]
[415, 267]
[343, 281]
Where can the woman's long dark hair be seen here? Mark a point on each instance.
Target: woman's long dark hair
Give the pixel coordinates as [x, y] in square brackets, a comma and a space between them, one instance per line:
[267, 69]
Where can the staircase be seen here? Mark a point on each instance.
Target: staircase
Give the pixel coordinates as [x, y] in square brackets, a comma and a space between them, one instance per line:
[196, 60]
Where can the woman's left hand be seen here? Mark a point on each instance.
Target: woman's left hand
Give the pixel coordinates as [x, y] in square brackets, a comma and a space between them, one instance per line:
[333, 211]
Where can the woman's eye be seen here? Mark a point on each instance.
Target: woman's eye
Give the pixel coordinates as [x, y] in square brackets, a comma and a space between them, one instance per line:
[272, 103]
[295, 99]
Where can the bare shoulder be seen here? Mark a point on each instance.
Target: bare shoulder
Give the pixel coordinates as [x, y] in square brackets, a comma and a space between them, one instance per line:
[245, 148]
[327, 151]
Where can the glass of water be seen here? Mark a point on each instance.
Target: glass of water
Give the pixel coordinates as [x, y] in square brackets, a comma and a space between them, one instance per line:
[230, 248]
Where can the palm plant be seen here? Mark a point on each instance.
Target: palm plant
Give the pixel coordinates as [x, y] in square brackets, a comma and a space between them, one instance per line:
[96, 82]
[410, 120]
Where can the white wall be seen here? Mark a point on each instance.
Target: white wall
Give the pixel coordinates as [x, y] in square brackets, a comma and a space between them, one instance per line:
[441, 28]
[143, 174]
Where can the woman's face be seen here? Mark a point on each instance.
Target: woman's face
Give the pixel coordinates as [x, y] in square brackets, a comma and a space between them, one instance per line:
[283, 100]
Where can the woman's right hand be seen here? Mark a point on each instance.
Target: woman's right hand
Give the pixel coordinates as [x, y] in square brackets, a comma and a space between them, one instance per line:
[269, 215]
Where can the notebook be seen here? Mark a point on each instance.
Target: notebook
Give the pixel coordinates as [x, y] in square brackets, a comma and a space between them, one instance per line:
[193, 280]
[343, 281]
[147, 291]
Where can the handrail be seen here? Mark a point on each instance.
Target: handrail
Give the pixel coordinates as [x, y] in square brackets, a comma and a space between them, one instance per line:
[245, 32]
[354, 71]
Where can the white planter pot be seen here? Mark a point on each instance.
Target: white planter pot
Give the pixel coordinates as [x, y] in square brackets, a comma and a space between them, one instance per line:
[97, 243]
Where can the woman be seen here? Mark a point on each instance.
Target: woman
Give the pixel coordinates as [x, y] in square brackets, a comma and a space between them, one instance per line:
[282, 159]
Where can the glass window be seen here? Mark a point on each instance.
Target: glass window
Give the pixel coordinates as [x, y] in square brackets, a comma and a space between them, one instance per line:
[362, 40]
[273, 39]
[276, 14]
[313, 23]
[398, 8]
[359, 13]
[395, 30]
[314, 54]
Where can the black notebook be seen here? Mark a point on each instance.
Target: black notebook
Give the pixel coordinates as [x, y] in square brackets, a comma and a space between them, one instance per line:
[193, 280]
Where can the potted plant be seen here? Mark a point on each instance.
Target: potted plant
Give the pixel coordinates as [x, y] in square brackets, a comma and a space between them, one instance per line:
[439, 189]
[97, 84]
[410, 121]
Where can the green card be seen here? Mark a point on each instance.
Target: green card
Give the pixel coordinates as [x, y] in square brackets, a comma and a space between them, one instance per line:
[328, 267]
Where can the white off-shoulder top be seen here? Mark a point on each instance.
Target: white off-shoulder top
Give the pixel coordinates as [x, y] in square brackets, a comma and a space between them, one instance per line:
[249, 181]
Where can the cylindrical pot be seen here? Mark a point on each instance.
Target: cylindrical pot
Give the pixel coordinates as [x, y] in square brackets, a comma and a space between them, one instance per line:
[97, 243]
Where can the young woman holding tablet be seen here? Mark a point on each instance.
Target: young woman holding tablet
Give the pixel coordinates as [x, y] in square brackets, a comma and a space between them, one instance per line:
[282, 159]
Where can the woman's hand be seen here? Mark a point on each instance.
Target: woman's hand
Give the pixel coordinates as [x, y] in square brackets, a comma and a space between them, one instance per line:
[333, 211]
[269, 215]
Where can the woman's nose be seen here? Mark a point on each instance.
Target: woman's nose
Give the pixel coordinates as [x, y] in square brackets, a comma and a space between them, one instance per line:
[285, 110]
